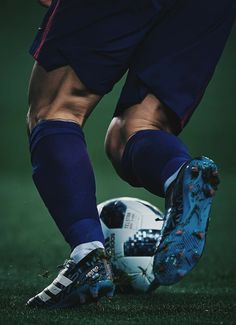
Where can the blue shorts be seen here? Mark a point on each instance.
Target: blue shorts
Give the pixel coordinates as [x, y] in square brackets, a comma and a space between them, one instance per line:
[170, 48]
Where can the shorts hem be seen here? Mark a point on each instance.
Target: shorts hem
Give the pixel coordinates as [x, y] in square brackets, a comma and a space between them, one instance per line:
[79, 73]
[121, 107]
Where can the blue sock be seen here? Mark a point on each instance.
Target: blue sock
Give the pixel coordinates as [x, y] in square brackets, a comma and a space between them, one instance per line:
[151, 157]
[63, 175]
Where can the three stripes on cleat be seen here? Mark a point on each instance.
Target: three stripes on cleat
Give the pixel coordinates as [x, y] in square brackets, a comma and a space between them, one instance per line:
[86, 281]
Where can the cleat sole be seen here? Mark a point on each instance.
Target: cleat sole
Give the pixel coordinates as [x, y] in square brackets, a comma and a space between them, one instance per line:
[193, 222]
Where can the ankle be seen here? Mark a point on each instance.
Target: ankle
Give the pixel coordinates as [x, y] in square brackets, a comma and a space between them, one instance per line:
[82, 250]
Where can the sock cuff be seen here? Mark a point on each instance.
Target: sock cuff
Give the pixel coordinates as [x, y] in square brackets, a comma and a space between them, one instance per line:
[82, 250]
[151, 157]
[51, 127]
[84, 231]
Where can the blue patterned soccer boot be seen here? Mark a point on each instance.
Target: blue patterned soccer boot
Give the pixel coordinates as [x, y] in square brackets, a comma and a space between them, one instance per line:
[183, 237]
[84, 282]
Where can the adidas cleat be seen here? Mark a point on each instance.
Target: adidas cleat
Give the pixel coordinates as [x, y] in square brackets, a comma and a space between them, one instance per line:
[80, 283]
[183, 236]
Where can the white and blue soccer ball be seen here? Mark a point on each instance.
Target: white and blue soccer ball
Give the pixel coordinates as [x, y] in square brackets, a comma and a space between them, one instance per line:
[131, 229]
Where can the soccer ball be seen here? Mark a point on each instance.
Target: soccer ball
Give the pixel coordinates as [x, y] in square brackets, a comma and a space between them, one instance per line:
[131, 229]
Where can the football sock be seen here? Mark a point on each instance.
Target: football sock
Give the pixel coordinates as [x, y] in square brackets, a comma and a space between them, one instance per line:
[63, 175]
[151, 157]
[82, 250]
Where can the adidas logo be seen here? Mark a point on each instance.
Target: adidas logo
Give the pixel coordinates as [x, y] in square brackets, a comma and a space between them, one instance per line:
[92, 272]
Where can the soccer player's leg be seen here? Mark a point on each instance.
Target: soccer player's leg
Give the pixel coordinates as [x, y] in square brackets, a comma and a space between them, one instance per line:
[68, 49]
[165, 83]
[63, 175]
[146, 153]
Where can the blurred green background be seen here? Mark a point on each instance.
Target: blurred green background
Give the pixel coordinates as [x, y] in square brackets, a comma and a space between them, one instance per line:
[28, 236]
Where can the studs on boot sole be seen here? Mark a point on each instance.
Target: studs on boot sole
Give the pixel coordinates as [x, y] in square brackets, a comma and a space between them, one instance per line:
[194, 171]
[208, 191]
[214, 180]
[199, 234]
[196, 256]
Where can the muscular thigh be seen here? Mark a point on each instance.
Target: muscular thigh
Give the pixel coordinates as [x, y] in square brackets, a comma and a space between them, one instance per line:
[59, 94]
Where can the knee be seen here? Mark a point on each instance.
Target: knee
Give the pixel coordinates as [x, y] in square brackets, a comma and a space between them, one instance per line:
[145, 115]
[116, 138]
[120, 130]
[114, 145]
[150, 114]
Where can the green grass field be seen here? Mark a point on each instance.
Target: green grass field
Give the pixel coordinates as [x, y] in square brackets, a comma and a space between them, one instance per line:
[30, 244]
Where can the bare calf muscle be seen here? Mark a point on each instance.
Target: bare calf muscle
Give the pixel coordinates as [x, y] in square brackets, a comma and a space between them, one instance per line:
[150, 114]
[58, 94]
